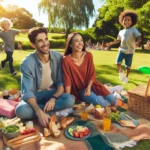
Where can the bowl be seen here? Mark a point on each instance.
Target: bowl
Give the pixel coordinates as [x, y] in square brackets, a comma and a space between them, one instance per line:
[11, 131]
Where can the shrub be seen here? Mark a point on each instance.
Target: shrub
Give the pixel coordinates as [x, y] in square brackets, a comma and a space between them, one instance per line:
[58, 37]
[57, 43]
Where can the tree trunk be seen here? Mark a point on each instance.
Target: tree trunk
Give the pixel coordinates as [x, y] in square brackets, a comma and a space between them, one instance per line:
[67, 32]
[142, 36]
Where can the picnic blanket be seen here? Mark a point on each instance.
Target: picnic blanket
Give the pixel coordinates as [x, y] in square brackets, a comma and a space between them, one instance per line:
[98, 138]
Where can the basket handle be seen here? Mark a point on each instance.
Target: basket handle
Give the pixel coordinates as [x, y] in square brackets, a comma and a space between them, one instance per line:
[147, 93]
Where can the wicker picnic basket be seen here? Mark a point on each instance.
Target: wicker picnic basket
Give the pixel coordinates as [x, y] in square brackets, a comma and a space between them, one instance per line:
[139, 100]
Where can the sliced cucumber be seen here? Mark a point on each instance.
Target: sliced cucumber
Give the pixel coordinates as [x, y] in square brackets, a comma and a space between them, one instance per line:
[70, 131]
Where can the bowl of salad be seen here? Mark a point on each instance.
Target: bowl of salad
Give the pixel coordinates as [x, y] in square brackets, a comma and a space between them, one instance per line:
[11, 131]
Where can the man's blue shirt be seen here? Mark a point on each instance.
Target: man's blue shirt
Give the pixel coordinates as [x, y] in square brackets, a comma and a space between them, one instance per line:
[31, 70]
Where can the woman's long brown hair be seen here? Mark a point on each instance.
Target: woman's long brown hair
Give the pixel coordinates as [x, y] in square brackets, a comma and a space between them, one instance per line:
[68, 49]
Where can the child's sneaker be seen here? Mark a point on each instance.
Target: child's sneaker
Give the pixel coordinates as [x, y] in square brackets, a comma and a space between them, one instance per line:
[14, 73]
[125, 80]
[121, 76]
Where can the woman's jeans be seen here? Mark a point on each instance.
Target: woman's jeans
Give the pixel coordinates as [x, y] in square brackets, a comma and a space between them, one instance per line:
[25, 111]
[98, 100]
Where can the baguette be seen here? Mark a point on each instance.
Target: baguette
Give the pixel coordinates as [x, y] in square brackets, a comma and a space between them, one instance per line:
[63, 122]
[25, 139]
[26, 143]
[47, 132]
[20, 137]
[70, 120]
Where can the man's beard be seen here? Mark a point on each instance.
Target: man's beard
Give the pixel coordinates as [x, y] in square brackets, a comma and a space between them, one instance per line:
[43, 52]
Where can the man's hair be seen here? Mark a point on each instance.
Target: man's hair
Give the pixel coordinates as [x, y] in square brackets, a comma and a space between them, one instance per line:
[130, 13]
[3, 21]
[32, 34]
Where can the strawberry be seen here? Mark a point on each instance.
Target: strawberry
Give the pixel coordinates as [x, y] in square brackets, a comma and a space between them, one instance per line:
[75, 134]
[81, 135]
[28, 131]
[86, 131]
[33, 130]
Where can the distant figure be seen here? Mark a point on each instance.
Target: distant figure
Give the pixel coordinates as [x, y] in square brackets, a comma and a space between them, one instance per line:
[129, 38]
[19, 45]
[147, 45]
[98, 46]
[103, 45]
[90, 44]
[8, 36]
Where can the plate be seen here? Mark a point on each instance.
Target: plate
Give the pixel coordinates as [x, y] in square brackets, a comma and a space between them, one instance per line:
[67, 134]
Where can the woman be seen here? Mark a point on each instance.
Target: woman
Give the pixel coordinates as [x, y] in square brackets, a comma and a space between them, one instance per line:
[80, 77]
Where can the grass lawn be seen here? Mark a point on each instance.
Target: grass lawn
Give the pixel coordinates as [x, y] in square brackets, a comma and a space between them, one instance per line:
[106, 73]
[104, 61]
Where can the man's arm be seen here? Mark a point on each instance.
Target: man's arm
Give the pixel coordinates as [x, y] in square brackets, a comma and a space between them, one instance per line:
[51, 103]
[42, 117]
[29, 97]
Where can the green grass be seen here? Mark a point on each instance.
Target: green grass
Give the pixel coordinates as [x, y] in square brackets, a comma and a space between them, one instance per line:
[106, 73]
[104, 61]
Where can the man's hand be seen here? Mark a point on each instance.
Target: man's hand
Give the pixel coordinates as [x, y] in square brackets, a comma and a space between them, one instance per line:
[43, 118]
[87, 92]
[50, 105]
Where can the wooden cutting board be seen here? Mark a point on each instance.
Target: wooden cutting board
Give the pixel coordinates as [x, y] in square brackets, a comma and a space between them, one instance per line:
[25, 141]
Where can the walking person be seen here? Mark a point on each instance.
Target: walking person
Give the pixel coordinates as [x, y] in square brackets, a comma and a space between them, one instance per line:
[8, 36]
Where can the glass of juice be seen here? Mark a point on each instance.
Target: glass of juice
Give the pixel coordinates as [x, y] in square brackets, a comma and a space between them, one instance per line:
[84, 116]
[106, 124]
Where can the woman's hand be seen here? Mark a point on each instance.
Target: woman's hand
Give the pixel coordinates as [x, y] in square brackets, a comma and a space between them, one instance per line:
[50, 105]
[87, 92]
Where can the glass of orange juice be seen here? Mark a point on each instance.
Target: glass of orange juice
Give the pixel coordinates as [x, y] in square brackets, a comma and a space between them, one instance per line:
[106, 124]
[84, 116]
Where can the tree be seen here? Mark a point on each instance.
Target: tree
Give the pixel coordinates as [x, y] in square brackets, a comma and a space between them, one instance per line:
[20, 17]
[109, 13]
[68, 13]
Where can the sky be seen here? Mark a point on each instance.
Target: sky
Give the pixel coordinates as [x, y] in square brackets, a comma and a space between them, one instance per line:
[32, 7]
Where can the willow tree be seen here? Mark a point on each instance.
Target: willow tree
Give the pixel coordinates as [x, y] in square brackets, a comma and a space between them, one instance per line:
[68, 13]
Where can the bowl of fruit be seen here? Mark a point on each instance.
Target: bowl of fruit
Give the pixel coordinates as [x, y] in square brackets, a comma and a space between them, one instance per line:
[77, 132]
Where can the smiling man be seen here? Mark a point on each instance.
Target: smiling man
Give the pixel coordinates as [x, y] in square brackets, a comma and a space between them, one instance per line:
[42, 81]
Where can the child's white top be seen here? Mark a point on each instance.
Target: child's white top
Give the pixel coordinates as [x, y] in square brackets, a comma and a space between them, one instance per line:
[128, 39]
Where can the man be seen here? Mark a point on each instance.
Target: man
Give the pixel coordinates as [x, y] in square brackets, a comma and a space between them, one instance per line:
[42, 85]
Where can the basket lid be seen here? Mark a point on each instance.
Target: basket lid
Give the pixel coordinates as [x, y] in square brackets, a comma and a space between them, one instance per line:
[139, 90]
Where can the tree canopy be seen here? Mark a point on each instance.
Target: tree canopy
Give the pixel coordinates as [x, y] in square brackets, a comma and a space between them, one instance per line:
[21, 18]
[107, 21]
[68, 13]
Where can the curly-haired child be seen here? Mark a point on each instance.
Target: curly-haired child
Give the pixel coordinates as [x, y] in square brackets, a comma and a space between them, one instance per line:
[129, 37]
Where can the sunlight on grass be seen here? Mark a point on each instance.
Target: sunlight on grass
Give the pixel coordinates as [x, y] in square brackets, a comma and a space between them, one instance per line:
[104, 61]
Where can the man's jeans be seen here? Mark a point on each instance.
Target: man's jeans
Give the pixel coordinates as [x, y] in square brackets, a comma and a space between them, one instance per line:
[25, 111]
[97, 99]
